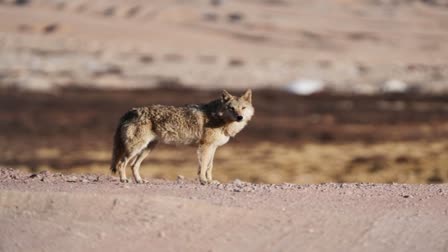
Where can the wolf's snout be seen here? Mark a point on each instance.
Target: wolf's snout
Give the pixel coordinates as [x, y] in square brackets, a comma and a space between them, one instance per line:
[239, 118]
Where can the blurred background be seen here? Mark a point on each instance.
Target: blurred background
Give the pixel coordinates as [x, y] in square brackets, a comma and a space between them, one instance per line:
[344, 90]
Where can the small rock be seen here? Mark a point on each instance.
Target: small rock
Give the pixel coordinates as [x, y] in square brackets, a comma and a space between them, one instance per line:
[109, 11]
[50, 28]
[84, 181]
[237, 182]
[180, 177]
[286, 186]
[161, 234]
[235, 17]
[236, 62]
[249, 189]
[92, 177]
[44, 173]
[55, 175]
[71, 179]
[146, 59]
[215, 182]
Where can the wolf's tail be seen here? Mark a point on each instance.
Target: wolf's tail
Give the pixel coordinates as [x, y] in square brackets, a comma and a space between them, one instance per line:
[119, 146]
[117, 150]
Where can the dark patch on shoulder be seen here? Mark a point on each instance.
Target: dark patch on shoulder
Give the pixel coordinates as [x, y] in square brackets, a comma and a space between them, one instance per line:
[128, 116]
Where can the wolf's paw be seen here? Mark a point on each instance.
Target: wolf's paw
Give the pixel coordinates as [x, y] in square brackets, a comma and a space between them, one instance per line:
[209, 182]
[122, 180]
[214, 182]
[139, 181]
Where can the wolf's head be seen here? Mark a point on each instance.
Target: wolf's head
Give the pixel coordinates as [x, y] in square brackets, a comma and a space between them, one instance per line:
[236, 109]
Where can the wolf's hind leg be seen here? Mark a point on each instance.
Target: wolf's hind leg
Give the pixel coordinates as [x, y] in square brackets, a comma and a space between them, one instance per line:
[139, 159]
[121, 167]
[124, 160]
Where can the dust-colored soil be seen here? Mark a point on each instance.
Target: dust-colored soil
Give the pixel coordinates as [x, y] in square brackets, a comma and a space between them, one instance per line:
[378, 114]
[55, 212]
[359, 46]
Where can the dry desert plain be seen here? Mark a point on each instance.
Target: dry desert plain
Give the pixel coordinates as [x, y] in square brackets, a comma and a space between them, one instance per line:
[361, 165]
[84, 208]
[54, 212]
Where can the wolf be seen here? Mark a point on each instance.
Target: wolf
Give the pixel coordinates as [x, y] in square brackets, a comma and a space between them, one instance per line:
[207, 125]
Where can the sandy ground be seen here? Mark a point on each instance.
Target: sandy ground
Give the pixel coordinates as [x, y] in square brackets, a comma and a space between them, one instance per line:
[378, 114]
[54, 212]
[361, 46]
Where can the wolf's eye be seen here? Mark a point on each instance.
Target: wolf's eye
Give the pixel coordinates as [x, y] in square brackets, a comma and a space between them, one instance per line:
[244, 107]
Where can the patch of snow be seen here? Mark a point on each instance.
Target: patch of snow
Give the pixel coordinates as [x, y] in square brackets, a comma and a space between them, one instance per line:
[305, 86]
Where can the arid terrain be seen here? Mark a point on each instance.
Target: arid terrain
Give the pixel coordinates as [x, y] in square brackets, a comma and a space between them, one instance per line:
[347, 150]
[360, 46]
[371, 78]
[54, 212]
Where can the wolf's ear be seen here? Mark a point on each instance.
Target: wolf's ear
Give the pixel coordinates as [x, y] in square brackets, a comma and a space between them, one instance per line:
[247, 96]
[226, 96]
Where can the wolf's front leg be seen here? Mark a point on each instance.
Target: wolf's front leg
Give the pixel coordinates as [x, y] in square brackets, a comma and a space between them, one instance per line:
[208, 172]
[205, 157]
